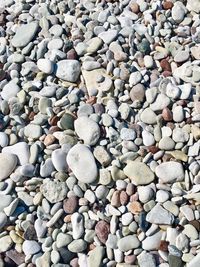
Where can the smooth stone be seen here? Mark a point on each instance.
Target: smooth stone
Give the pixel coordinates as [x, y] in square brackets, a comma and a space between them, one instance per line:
[146, 260]
[87, 129]
[59, 160]
[95, 256]
[193, 5]
[174, 261]
[45, 65]
[21, 150]
[5, 201]
[161, 102]
[159, 215]
[3, 219]
[181, 56]
[30, 247]
[4, 141]
[91, 65]
[5, 243]
[179, 135]
[82, 163]
[54, 191]
[77, 246]
[128, 242]
[166, 143]
[127, 134]
[178, 114]
[77, 225]
[108, 36]
[148, 138]
[94, 44]
[24, 34]
[10, 90]
[170, 172]
[63, 240]
[152, 242]
[68, 70]
[8, 162]
[178, 12]
[145, 193]
[139, 173]
[46, 168]
[148, 116]
[33, 131]
[195, 261]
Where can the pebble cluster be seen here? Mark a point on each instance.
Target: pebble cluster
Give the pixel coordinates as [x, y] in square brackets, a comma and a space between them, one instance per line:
[99, 133]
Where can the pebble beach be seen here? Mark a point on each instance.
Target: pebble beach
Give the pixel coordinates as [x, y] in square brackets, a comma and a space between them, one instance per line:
[99, 133]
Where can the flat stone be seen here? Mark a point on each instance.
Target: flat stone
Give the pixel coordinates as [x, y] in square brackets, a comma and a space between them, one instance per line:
[128, 242]
[108, 36]
[45, 65]
[5, 243]
[8, 163]
[10, 90]
[59, 160]
[87, 129]
[63, 240]
[146, 260]
[33, 131]
[159, 215]
[82, 163]
[195, 261]
[77, 246]
[139, 173]
[24, 34]
[102, 230]
[96, 257]
[175, 261]
[170, 172]
[54, 191]
[15, 256]
[148, 116]
[30, 247]
[162, 101]
[21, 150]
[152, 242]
[68, 70]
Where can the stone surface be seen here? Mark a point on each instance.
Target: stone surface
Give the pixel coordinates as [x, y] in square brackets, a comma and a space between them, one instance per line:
[81, 161]
[24, 34]
[169, 172]
[87, 129]
[54, 191]
[159, 215]
[68, 70]
[139, 173]
[8, 163]
[128, 242]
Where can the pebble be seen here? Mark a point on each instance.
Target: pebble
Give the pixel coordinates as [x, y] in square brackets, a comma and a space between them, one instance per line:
[54, 191]
[139, 173]
[68, 70]
[169, 172]
[45, 65]
[59, 160]
[10, 90]
[159, 215]
[78, 158]
[8, 163]
[77, 246]
[30, 247]
[24, 34]
[128, 242]
[88, 130]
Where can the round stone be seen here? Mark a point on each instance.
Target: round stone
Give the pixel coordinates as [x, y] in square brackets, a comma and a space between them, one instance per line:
[8, 163]
[54, 191]
[45, 65]
[82, 163]
[30, 247]
[68, 70]
[87, 129]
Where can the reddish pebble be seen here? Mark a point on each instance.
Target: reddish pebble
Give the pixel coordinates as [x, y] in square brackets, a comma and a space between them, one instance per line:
[153, 149]
[102, 230]
[71, 54]
[123, 198]
[67, 218]
[54, 120]
[167, 5]
[130, 189]
[49, 140]
[74, 262]
[130, 259]
[163, 245]
[135, 207]
[91, 100]
[166, 73]
[167, 114]
[70, 205]
[165, 65]
[134, 8]
[115, 200]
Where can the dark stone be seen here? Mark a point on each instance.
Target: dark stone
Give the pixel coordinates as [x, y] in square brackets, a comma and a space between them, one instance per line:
[30, 233]
[175, 261]
[15, 256]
